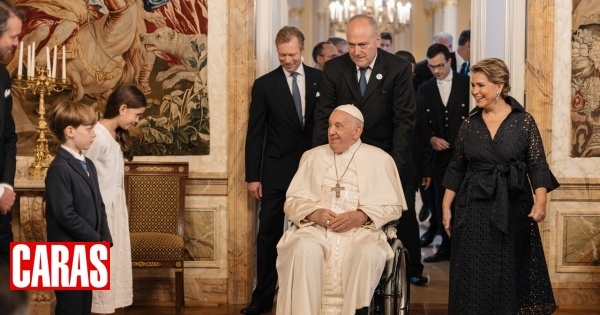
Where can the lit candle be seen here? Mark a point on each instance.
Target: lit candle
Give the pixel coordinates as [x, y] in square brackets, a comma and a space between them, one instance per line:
[20, 71]
[48, 73]
[54, 63]
[33, 59]
[28, 60]
[64, 63]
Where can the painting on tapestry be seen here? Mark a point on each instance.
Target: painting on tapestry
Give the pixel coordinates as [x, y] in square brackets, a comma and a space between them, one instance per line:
[159, 45]
[585, 79]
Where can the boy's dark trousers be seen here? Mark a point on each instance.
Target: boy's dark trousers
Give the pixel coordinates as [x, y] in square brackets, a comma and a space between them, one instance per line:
[73, 302]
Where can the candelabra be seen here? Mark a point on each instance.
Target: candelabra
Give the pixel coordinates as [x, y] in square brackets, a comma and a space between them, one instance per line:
[393, 16]
[41, 84]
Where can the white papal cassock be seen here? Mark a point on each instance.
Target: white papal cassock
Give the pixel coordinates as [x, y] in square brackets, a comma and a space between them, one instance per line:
[319, 268]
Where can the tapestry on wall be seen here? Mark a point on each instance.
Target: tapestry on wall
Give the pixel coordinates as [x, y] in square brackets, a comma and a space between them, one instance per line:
[585, 79]
[159, 45]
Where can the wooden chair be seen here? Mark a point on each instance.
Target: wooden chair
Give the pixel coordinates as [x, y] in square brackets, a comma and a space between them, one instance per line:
[156, 201]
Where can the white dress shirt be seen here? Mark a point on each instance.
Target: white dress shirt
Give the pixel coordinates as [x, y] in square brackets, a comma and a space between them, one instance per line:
[368, 72]
[445, 86]
[301, 80]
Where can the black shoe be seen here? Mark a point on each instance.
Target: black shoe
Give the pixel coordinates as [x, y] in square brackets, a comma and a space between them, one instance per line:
[427, 238]
[424, 213]
[441, 255]
[419, 280]
[362, 311]
[256, 309]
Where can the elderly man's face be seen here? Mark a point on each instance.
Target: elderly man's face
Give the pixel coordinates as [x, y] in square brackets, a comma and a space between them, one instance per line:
[363, 41]
[344, 130]
[290, 54]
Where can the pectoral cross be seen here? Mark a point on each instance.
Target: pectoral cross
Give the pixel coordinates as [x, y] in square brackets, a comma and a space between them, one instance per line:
[337, 189]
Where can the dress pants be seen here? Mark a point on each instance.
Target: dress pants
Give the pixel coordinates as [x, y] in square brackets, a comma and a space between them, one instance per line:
[408, 228]
[6, 237]
[270, 229]
[73, 302]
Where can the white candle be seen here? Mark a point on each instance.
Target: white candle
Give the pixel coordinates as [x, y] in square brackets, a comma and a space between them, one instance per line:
[54, 63]
[64, 63]
[48, 73]
[20, 71]
[28, 60]
[33, 59]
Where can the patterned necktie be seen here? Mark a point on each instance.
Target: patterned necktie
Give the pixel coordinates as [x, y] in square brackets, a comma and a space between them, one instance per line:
[362, 82]
[84, 166]
[296, 97]
[465, 68]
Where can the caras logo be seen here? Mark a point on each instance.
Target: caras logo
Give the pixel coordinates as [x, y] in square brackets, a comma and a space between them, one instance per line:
[59, 266]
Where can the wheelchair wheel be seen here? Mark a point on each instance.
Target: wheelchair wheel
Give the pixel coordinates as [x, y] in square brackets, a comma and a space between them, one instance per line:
[401, 284]
[392, 296]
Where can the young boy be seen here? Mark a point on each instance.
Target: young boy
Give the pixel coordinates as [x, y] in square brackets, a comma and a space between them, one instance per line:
[74, 208]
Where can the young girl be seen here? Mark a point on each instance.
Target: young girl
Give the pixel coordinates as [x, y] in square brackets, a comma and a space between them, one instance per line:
[111, 146]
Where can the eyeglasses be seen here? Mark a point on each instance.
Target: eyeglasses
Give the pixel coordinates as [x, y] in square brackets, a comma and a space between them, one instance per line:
[438, 67]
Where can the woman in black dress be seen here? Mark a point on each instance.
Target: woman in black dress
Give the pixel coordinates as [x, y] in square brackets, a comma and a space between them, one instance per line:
[497, 263]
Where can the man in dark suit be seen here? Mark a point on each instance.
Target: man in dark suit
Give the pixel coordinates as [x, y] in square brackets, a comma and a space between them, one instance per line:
[280, 127]
[10, 28]
[379, 84]
[446, 102]
[422, 72]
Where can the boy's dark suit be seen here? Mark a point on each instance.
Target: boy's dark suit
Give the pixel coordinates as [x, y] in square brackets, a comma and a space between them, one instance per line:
[74, 213]
[8, 158]
[275, 143]
[389, 109]
[443, 122]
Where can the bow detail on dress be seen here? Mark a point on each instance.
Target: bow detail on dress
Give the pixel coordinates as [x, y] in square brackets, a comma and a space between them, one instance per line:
[493, 182]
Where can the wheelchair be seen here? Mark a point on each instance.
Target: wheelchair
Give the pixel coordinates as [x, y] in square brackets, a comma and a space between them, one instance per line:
[392, 295]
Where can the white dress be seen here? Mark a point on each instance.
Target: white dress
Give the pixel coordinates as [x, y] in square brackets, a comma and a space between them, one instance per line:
[107, 156]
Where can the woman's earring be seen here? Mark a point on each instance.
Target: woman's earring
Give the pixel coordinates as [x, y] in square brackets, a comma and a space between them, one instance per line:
[497, 96]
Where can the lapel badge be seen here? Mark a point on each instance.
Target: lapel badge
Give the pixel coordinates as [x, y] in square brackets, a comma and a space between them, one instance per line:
[379, 76]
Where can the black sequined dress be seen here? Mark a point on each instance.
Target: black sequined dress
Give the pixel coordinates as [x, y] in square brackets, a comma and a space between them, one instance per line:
[497, 263]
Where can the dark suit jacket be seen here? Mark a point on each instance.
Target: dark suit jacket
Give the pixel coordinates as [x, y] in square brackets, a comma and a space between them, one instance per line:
[444, 121]
[8, 158]
[388, 105]
[276, 139]
[8, 136]
[422, 72]
[74, 208]
[421, 145]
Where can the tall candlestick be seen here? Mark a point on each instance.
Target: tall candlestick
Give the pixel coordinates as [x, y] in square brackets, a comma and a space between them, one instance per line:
[48, 67]
[20, 71]
[64, 63]
[54, 63]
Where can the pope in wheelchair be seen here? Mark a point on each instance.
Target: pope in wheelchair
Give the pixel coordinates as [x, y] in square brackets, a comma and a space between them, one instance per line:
[331, 260]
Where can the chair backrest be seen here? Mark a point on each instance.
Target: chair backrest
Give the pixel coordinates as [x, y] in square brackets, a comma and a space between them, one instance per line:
[156, 196]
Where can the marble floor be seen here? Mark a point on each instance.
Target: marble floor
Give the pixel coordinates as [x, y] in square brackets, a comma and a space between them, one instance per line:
[426, 300]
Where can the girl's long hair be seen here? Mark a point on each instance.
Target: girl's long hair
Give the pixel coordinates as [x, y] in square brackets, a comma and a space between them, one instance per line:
[130, 95]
